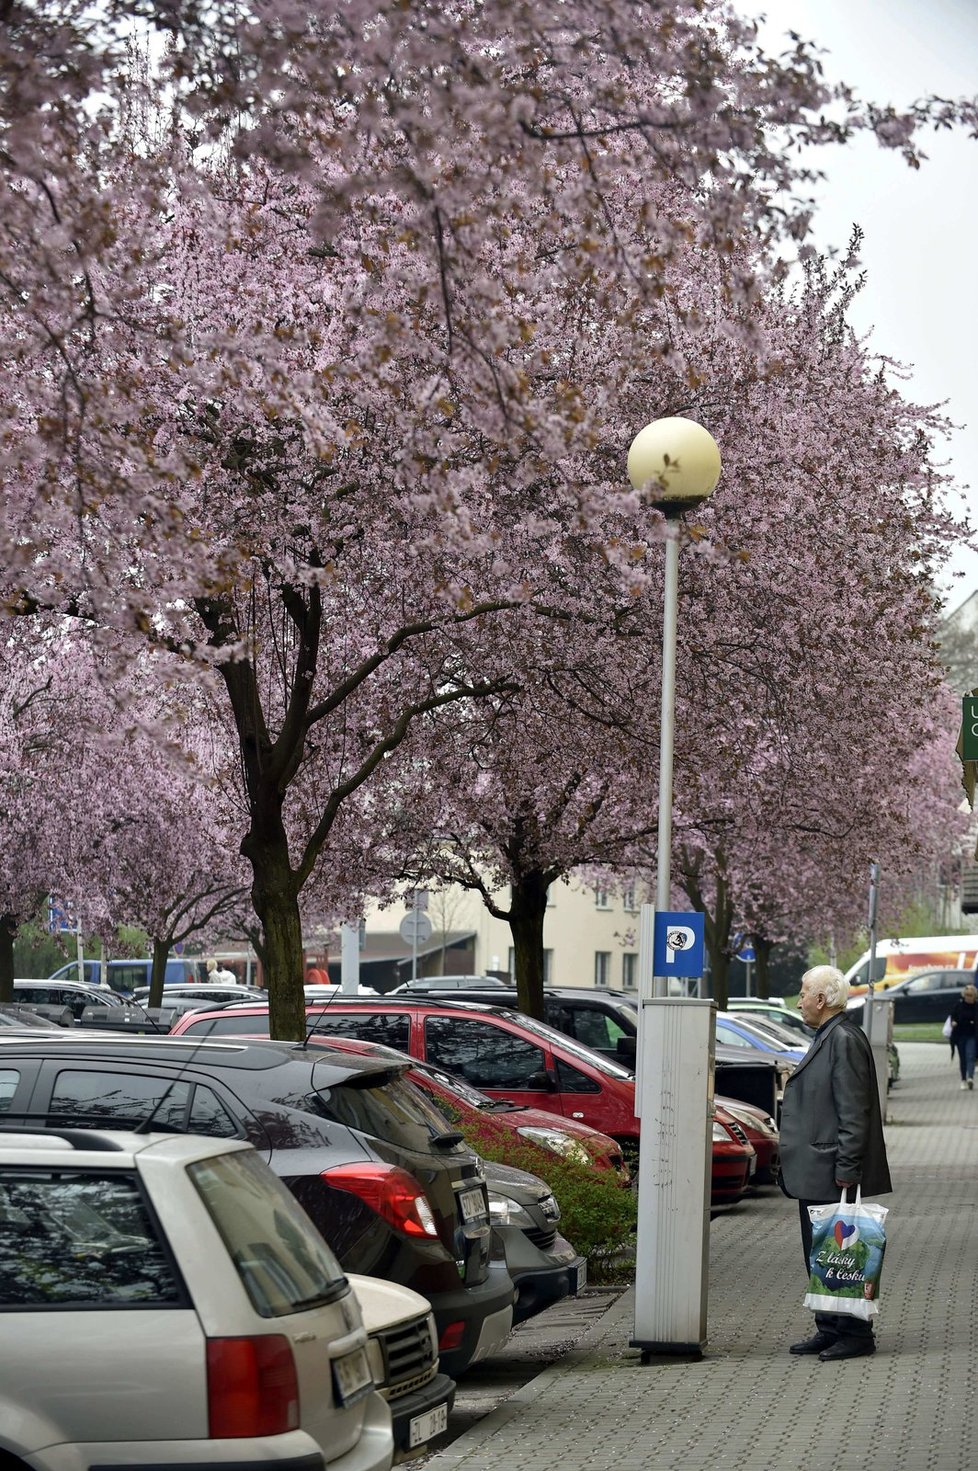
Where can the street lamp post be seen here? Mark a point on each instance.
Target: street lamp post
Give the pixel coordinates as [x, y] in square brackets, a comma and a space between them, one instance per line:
[675, 464]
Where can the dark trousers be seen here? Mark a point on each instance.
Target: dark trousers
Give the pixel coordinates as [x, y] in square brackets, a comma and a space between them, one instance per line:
[834, 1325]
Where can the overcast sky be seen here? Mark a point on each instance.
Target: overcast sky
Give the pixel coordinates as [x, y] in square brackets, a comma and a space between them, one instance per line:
[921, 228]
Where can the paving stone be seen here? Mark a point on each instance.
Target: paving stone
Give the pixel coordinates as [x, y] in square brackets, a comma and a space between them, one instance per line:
[748, 1404]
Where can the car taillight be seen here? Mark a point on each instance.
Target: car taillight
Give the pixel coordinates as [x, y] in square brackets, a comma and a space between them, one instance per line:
[252, 1387]
[391, 1192]
[451, 1336]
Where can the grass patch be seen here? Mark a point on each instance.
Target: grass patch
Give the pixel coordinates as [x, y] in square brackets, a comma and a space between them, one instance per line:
[918, 1032]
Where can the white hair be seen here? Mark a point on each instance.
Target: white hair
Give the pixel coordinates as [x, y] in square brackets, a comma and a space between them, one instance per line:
[832, 984]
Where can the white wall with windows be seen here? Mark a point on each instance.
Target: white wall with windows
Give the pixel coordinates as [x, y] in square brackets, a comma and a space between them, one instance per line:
[590, 935]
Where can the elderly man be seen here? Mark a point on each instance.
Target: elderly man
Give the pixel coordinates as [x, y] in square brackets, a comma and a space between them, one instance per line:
[832, 1136]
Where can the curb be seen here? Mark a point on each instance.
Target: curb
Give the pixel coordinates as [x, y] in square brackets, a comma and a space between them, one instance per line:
[620, 1308]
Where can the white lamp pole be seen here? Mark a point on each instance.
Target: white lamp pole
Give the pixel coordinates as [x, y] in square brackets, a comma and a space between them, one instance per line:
[675, 464]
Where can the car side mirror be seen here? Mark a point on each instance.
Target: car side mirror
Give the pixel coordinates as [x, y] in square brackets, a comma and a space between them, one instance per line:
[627, 1048]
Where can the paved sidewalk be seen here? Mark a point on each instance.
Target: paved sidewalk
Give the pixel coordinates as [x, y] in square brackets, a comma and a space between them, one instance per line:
[749, 1404]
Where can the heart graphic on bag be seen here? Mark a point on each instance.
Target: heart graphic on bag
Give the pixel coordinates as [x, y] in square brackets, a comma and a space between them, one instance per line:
[845, 1235]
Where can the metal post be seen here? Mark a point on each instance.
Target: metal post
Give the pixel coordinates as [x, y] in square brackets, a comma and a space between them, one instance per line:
[673, 1089]
[877, 1021]
[79, 944]
[667, 726]
[349, 959]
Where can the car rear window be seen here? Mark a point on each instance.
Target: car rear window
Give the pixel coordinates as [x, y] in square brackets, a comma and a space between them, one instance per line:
[395, 1110]
[73, 1238]
[284, 1264]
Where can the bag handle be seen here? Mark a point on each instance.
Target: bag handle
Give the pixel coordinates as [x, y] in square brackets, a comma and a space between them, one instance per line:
[857, 1204]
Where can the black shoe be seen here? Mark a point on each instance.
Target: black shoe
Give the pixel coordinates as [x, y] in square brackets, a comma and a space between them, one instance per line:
[848, 1348]
[813, 1345]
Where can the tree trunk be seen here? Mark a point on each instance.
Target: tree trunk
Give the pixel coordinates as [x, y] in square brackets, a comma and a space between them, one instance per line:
[275, 895]
[527, 910]
[762, 949]
[8, 932]
[161, 954]
[718, 927]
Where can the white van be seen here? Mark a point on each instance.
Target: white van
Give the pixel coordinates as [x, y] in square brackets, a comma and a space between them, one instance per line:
[898, 959]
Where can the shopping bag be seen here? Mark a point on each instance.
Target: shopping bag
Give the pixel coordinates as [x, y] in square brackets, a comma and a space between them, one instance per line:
[946, 1029]
[848, 1242]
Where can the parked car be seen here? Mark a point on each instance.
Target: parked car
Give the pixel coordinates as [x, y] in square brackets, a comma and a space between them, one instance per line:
[165, 1302]
[24, 1018]
[606, 1020]
[343, 1132]
[773, 1011]
[403, 1352]
[544, 1266]
[448, 983]
[928, 997]
[124, 976]
[524, 1127]
[205, 993]
[734, 1159]
[502, 1053]
[71, 995]
[762, 1135]
[525, 1214]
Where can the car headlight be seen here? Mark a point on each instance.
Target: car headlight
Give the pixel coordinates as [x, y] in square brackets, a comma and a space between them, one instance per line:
[504, 1211]
[721, 1134]
[557, 1142]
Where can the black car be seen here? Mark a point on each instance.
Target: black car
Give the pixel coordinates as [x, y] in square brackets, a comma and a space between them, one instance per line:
[394, 1193]
[929, 996]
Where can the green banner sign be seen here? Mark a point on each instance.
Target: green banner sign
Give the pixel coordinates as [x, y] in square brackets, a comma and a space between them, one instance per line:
[969, 728]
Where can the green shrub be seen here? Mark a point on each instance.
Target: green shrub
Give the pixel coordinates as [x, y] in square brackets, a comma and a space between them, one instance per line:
[597, 1213]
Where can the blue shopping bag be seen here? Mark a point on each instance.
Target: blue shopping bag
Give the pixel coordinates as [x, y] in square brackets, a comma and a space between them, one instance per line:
[848, 1242]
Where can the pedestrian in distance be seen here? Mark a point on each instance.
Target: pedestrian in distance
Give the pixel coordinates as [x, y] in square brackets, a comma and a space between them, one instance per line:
[832, 1136]
[218, 976]
[963, 1034]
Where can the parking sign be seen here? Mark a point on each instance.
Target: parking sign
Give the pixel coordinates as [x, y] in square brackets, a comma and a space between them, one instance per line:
[678, 945]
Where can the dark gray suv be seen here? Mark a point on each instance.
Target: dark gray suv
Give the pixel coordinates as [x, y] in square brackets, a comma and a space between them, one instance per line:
[394, 1192]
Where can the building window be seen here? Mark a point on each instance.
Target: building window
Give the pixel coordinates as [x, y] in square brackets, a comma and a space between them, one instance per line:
[628, 900]
[601, 899]
[602, 967]
[629, 970]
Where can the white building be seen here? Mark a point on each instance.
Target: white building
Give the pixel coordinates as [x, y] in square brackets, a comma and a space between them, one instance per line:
[590, 937]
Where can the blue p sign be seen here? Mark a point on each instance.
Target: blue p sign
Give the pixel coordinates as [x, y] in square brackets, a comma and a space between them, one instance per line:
[678, 945]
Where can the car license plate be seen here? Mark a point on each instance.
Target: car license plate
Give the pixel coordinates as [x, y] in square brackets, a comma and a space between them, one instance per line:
[472, 1204]
[352, 1376]
[425, 1427]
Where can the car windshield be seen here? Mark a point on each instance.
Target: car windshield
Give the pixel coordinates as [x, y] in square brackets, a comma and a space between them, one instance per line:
[558, 1042]
[457, 1085]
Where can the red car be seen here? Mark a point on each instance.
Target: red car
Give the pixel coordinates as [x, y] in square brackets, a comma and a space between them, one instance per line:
[505, 1055]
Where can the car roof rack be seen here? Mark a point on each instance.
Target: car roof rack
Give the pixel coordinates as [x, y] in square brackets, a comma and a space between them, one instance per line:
[88, 1139]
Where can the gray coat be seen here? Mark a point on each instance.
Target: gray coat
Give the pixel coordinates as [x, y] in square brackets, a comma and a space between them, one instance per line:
[831, 1128]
